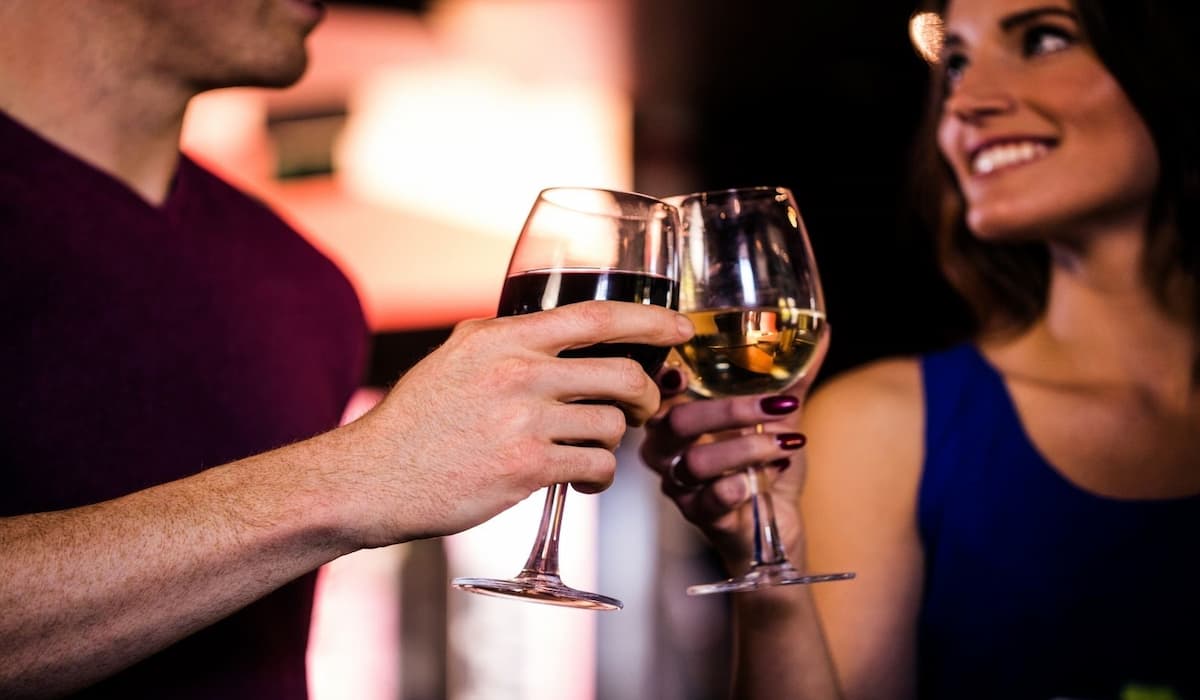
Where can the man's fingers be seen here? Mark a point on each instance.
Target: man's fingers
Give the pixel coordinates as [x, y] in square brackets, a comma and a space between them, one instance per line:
[587, 469]
[590, 322]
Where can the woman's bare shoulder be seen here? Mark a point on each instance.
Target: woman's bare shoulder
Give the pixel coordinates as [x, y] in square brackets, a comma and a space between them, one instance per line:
[885, 394]
[865, 430]
[867, 426]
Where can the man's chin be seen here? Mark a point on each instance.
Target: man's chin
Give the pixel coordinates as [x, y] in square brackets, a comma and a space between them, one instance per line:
[285, 75]
[280, 75]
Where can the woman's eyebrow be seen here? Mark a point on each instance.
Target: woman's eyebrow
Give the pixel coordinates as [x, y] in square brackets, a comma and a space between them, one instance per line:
[952, 40]
[1019, 18]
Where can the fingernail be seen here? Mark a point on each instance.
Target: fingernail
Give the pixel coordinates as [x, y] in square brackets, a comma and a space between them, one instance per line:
[685, 325]
[780, 404]
[780, 464]
[671, 380]
[791, 441]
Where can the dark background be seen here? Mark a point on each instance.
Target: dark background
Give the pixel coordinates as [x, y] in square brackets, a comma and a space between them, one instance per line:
[821, 97]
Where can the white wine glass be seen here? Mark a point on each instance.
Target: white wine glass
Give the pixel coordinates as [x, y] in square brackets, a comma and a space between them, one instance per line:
[579, 244]
[749, 283]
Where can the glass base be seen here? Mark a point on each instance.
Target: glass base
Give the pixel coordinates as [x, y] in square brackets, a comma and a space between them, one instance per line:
[538, 588]
[765, 576]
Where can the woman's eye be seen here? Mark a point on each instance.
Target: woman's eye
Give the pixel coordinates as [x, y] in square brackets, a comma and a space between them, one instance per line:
[953, 67]
[1042, 40]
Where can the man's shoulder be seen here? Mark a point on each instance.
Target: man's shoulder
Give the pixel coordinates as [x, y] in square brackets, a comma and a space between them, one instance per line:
[199, 182]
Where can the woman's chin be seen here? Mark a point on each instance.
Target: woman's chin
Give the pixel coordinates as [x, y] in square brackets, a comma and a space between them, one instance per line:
[1001, 226]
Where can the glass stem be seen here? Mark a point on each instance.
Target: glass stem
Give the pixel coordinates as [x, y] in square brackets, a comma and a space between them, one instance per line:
[768, 549]
[543, 559]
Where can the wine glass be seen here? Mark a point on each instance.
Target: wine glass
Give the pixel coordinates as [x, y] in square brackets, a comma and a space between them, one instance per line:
[749, 282]
[577, 244]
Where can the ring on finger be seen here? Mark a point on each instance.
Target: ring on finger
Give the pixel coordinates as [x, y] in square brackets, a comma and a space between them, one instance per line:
[672, 473]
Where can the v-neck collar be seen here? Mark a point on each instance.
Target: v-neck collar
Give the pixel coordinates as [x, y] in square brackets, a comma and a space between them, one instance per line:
[30, 156]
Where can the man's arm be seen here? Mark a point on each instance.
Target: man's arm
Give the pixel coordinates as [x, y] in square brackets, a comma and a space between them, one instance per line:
[477, 426]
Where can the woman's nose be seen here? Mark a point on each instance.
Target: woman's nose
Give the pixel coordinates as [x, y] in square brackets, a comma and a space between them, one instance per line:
[979, 93]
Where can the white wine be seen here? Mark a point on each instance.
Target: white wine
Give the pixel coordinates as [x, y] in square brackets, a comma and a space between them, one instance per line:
[750, 350]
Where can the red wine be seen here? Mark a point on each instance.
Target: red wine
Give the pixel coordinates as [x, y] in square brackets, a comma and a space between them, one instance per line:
[538, 290]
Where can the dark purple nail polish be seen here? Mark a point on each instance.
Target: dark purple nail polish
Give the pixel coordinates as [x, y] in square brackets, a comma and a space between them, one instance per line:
[671, 380]
[779, 405]
[791, 441]
[780, 464]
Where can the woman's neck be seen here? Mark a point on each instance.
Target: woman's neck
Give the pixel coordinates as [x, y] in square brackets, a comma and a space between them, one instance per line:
[1104, 318]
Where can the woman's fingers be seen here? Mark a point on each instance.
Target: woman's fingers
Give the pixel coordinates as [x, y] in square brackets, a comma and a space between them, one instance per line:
[682, 424]
[672, 378]
[714, 415]
[697, 464]
[712, 505]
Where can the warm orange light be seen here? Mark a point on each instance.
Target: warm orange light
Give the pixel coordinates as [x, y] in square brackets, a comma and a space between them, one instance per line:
[472, 145]
[926, 31]
[454, 122]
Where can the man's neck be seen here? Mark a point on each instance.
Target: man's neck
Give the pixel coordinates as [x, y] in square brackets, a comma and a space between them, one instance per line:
[102, 103]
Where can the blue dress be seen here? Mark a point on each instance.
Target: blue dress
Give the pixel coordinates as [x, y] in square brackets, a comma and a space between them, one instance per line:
[1035, 588]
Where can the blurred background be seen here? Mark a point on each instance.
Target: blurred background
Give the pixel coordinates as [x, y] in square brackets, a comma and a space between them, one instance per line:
[410, 153]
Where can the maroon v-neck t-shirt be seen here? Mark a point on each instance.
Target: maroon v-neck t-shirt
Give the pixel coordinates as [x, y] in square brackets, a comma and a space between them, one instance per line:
[144, 344]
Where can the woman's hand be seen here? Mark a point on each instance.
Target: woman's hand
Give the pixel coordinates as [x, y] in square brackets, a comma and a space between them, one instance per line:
[701, 449]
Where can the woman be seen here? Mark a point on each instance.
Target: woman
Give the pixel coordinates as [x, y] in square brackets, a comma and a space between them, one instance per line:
[1020, 508]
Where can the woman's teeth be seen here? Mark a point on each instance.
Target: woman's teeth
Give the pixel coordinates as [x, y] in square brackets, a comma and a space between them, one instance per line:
[1004, 155]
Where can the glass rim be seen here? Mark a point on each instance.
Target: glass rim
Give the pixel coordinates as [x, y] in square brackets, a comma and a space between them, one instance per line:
[651, 202]
[728, 191]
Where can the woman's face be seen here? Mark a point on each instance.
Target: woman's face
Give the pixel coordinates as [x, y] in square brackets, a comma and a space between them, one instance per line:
[1041, 138]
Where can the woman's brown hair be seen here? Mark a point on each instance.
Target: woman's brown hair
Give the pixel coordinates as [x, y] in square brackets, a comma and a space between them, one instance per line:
[1150, 48]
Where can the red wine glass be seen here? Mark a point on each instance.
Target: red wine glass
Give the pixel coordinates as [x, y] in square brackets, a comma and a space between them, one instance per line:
[579, 244]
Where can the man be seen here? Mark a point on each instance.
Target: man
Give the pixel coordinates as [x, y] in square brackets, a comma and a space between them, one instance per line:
[175, 359]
